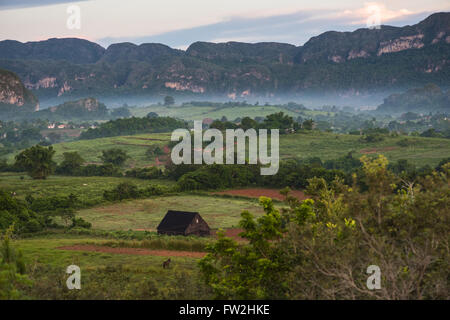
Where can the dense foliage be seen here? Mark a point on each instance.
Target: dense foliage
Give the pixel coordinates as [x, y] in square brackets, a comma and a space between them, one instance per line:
[37, 161]
[320, 248]
[133, 126]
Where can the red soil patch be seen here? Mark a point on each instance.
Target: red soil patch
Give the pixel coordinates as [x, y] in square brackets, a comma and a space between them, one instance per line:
[162, 160]
[256, 193]
[375, 150]
[135, 251]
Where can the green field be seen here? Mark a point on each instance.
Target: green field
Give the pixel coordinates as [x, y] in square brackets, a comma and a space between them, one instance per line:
[103, 275]
[301, 145]
[88, 189]
[199, 113]
[218, 211]
[146, 214]
[331, 146]
[90, 150]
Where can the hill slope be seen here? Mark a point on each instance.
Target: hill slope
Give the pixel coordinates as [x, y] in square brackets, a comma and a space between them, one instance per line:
[13, 94]
[350, 63]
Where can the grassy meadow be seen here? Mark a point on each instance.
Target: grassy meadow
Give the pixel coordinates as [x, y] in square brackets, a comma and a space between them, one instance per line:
[104, 275]
[90, 150]
[88, 189]
[146, 214]
[327, 146]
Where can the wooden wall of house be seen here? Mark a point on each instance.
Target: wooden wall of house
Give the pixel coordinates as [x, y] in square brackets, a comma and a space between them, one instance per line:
[199, 228]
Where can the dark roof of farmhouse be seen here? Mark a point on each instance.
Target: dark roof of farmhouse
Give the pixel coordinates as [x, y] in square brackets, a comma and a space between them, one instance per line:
[176, 220]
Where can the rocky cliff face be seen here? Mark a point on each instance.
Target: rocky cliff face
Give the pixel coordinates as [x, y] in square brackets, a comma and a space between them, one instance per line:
[82, 105]
[14, 95]
[363, 43]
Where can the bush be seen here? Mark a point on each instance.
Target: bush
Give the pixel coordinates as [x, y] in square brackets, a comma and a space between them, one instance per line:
[79, 222]
[153, 151]
[144, 173]
[123, 191]
[372, 137]
[17, 212]
[406, 142]
[105, 170]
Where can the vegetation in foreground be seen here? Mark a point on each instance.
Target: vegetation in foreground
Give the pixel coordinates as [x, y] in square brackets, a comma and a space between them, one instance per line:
[318, 248]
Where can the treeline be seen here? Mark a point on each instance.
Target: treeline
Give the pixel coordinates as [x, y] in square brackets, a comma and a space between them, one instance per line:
[294, 173]
[133, 125]
[279, 120]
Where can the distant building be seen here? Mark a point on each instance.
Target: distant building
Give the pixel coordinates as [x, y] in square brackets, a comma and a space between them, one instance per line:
[183, 223]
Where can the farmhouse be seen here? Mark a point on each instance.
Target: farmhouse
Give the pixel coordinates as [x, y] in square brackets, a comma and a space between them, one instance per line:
[183, 223]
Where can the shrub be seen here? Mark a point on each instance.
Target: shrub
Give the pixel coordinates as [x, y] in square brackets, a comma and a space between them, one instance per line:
[81, 223]
[144, 173]
[123, 191]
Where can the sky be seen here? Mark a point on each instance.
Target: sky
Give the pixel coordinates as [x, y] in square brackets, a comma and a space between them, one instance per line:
[178, 23]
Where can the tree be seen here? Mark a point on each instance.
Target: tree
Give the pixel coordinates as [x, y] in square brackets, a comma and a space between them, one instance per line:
[37, 161]
[169, 101]
[248, 123]
[71, 162]
[321, 248]
[254, 271]
[124, 190]
[308, 124]
[154, 151]
[152, 115]
[278, 121]
[114, 156]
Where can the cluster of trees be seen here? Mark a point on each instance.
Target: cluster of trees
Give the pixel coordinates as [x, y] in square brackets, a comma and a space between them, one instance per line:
[321, 248]
[293, 173]
[112, 159]
[144, 173]
[281, 121]
[20, 135]
[33, 215]
[133, 126]
[38, 162]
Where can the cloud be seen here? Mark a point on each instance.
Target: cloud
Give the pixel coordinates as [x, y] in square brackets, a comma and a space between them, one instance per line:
[295, 28]
[376, 11]
[14, 4]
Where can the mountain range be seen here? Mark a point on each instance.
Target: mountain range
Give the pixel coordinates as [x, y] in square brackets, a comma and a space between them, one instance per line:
[355, 63]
